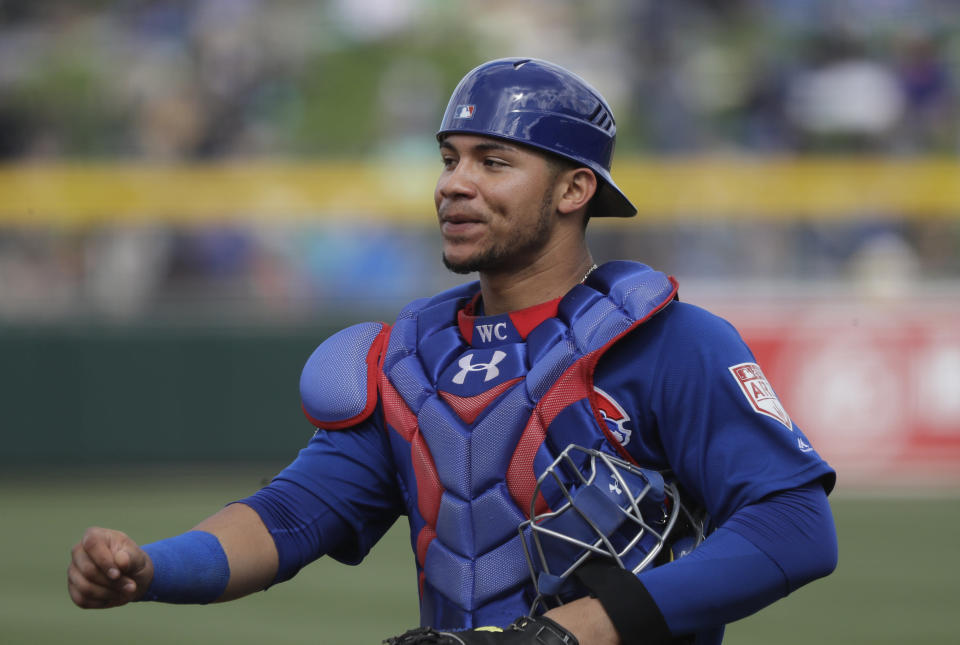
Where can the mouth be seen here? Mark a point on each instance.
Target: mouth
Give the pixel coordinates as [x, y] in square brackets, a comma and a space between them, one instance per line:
[459, 224]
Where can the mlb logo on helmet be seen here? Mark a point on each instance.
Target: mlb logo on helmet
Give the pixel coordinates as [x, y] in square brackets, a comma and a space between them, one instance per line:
[465, 111]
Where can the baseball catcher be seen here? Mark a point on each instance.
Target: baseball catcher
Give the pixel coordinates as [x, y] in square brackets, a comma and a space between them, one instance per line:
[556, 432]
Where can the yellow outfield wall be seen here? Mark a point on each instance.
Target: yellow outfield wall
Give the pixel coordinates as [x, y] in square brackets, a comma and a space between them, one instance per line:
[81, 194]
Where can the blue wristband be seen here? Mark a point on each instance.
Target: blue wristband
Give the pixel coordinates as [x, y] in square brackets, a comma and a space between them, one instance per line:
[187, 569]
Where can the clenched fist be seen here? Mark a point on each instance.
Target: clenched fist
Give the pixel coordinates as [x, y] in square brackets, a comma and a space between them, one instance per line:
[107, 569]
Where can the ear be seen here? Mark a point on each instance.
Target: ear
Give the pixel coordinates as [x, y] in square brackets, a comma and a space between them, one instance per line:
[577, 186]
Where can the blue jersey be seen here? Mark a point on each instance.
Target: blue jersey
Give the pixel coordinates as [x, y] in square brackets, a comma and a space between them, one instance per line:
[686, 393]
[661, 382]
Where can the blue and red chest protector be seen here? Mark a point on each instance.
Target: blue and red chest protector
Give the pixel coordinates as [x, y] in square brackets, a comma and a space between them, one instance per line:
[452, 417]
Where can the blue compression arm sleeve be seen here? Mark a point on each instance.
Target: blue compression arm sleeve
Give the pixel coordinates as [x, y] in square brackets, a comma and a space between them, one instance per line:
[762, 553]
[337, 498]
[303, 527]
[188, 568]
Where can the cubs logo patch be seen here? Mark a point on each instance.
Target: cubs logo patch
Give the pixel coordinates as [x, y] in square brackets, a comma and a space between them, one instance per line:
[614, 415]
[759, 392]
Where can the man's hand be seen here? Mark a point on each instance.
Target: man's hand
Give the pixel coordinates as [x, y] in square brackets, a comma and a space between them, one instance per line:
[107, 569]
[586, 618]
[524, 631]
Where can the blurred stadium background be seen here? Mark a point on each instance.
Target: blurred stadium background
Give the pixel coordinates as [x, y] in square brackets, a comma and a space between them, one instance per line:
[194, 194]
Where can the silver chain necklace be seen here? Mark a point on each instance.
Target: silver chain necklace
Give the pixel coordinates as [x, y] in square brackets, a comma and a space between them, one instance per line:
[587, 274]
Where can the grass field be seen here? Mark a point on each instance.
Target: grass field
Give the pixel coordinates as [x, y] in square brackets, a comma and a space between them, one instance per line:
[898, 580]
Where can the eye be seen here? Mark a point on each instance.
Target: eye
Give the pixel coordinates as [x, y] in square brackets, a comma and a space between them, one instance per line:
[448, 161]
[495, 162]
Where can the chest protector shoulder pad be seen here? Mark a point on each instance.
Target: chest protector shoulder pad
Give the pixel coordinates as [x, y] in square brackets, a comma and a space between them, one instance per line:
[338, 385]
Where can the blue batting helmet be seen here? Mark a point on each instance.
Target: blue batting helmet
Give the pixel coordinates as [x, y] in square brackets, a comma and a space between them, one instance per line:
[542, 105]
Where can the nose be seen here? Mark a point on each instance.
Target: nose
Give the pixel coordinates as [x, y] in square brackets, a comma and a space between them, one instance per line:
[457, 181]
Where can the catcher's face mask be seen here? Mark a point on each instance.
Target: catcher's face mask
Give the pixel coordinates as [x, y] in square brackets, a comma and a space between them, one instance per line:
[605, 507]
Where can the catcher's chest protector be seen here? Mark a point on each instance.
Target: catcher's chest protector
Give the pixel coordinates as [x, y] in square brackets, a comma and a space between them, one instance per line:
[476, 408]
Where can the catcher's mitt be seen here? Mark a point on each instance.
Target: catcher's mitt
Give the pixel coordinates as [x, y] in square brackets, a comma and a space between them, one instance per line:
[524, 631]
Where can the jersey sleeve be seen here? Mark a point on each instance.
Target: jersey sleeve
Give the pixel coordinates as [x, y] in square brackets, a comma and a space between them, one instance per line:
[765, 551]
[705, 410]
[337, 498]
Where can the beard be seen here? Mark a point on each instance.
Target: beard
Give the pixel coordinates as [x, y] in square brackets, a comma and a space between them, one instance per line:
[511, 252]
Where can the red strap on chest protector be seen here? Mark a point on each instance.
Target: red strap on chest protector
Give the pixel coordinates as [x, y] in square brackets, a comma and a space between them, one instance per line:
[574, 384]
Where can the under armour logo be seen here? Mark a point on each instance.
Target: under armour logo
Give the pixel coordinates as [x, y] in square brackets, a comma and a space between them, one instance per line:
[466, 365]
[615, 486]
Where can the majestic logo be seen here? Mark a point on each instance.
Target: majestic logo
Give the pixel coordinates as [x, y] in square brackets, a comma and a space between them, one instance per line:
[614, 415]
[491, 369]
[759, 393]
[465, 111]
[489, 332]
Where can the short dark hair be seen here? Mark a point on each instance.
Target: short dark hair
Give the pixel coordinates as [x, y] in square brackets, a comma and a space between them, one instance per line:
[560, 165]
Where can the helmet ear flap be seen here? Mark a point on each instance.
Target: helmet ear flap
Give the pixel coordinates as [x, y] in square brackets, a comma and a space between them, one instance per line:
[608, 508]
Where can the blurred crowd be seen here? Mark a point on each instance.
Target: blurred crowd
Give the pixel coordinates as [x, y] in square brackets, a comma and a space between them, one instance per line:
[182, 80]
[213, 78]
